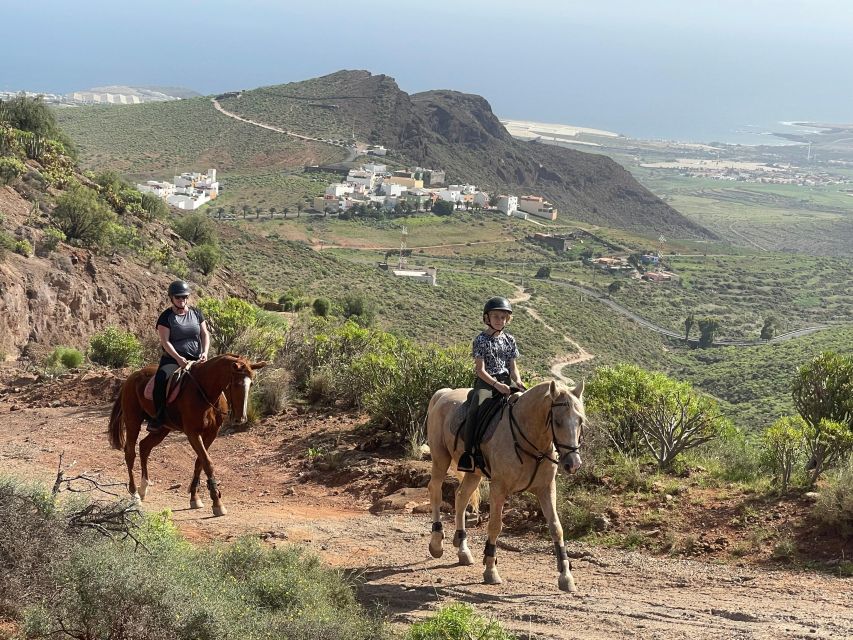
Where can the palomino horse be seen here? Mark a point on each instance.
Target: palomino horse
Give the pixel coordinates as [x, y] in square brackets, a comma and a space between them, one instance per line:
[198, 410]
[537, 433]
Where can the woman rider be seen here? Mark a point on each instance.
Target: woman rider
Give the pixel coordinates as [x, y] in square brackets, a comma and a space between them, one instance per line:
[183, 335]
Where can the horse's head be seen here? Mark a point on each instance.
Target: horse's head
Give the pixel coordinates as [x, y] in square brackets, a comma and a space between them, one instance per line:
[567, 419]
[237, 391]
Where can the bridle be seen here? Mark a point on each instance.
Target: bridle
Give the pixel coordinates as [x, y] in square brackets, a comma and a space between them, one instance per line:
[537, 455]
[228, 395]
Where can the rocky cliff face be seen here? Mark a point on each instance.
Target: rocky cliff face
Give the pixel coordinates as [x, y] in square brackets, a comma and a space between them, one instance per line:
[65, 297]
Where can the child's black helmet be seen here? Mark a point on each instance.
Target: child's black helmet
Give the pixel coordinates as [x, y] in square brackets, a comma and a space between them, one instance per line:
[179, 288]
[497, 304]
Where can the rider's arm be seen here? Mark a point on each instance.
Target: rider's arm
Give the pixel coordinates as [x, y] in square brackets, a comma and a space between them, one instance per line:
[204, 334]
[514, 375]
[485, 376]
[164, 333]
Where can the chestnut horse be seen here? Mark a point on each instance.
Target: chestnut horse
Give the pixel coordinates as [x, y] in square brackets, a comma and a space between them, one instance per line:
[536, 434]
[198, 411]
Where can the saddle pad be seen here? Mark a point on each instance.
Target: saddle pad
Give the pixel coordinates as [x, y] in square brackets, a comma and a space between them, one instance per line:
[461, 413]
[173, 386]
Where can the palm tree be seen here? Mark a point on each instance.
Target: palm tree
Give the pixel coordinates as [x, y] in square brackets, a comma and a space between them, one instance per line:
[299, 208]
[272, 212]
[246, 210]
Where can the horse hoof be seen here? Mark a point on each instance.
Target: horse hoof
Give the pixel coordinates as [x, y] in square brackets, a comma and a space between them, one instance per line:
[436, 552]
[491, 577]
[196, 504]
[466, 559]
[567, 584]
[220, 511]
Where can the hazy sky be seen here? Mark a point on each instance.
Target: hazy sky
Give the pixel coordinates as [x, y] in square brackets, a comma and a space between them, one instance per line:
[656, 68]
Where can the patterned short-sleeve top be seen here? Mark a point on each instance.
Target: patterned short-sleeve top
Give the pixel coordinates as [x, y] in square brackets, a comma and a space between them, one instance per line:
[496, 352]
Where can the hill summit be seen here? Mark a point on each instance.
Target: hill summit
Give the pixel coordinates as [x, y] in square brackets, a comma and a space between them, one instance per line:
[459, 133]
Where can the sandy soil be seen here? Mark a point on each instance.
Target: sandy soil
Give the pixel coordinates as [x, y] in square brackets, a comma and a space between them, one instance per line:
[272, 490]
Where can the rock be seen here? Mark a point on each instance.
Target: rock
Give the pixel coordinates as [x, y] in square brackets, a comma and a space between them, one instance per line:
[812, 495]
[177, 485]
[601, 522]
[403, 500]
[425, 452]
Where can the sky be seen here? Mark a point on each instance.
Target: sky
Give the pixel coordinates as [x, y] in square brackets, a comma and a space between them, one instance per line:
[690, 70]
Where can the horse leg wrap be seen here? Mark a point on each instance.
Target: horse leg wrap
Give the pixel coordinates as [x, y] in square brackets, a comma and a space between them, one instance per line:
[491, 551]
[458, 536]
[437, 526]
[194, 485]
[562, 557]
[213, 487]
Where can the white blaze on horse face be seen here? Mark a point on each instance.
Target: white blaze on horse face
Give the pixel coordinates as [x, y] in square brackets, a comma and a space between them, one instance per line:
[247, 382]
[571, 461]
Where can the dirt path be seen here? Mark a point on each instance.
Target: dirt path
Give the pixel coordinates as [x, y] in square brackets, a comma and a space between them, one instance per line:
[270, 491]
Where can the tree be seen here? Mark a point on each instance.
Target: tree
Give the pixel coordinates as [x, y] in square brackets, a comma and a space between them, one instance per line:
[357, 308]
[544, 272]
[273, 211]
[299, 208]
[196, 228]
[493, 200]
[707, 329]
[246, 210]
[688, 325]
[206, 257]
[33, 115]
[614, 287]
[258, 212]
[823, 389]
[442, 208]
[220, 211]
[769, 328]
[827, 443]
[81, 215]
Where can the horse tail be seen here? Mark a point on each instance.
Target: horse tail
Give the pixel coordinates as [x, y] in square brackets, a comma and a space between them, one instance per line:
[116, 428]
[474, 500]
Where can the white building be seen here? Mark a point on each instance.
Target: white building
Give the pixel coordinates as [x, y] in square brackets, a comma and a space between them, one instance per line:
[508, 204]
[376, 168]
[362, 177]
[377, 150]
[450, 195]
[339, 189]
[188, 201]
[160, 189]
[537, 206]
[200, 181]
[464, 189]
[481, 199]
[391, 189]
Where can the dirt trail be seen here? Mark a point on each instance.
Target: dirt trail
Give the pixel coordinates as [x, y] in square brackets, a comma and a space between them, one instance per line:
[270, 492]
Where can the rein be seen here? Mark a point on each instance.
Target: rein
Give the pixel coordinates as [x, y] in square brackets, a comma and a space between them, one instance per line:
[538, 456]
[204, 395]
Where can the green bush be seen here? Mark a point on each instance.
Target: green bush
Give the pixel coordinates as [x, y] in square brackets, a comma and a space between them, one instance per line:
[834, 506]
[24, 248]
[239, 327]
[358, 309]
[782, 447]
[206, 257]
[81, 215]
[196, 228]
[51, 239]
[457, 622]
[10, 170]
[321, 307]
[114, 347]
[270, 391]
[62, 358]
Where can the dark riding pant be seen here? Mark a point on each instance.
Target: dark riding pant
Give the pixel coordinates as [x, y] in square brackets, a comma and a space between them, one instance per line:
[482, 392]
[168, 365]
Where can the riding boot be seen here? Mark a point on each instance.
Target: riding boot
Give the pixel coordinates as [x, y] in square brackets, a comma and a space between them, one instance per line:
[466, 460]
[156, 423]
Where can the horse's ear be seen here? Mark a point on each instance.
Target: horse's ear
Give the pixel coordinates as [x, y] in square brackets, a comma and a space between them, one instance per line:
[258, 365]
[552, 389]
[577, 392]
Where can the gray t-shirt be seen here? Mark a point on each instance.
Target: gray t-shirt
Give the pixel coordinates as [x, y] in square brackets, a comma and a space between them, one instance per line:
[184, 331]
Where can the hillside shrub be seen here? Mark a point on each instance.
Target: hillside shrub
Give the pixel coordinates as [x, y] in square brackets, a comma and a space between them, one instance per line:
[359, 309]
[271, 391]
[123, 197]
[782, 449]
[205, 257]
[239, 327]
[154, 206]
[321, 307]
[196, 228]
[23, 247]
[823, 389]
[51, 239]
[83, 217]
[63, 581]
[114, 347]
[457, 622]
[10, 170]
[62, 358]
[826, 444]
[834, 506]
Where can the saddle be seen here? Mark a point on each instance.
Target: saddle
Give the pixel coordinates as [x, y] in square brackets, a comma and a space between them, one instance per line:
[488, 417]
[173, 384]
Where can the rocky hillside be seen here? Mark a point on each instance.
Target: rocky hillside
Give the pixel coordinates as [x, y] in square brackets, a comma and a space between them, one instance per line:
[63, 297]
[459, 133]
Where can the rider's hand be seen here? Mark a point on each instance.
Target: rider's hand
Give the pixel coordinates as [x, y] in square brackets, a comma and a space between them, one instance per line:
[503, 389]
[520, 386]
[202, 357]
[183, 362]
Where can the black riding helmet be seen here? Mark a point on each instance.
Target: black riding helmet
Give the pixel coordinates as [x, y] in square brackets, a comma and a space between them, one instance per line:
[497, 304]
[179, 288]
